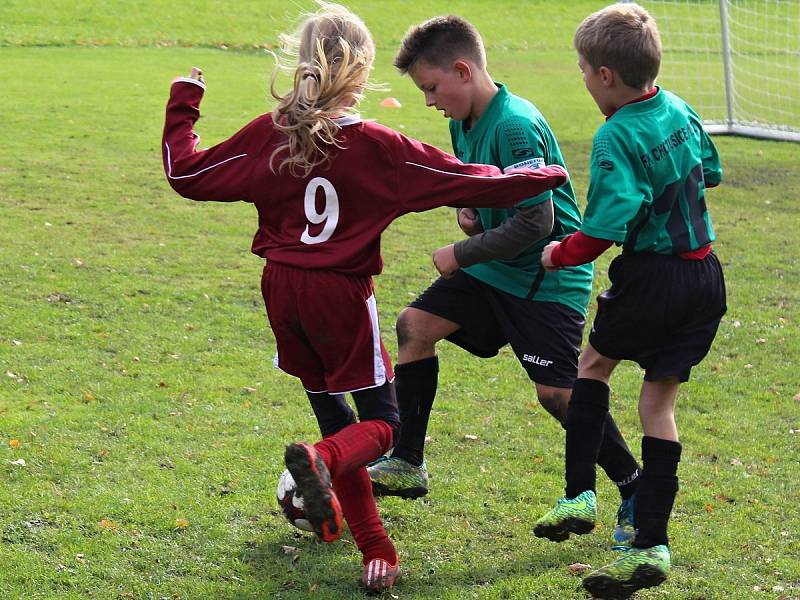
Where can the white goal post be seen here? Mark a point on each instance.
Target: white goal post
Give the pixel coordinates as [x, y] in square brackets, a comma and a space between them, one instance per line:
[737, 62]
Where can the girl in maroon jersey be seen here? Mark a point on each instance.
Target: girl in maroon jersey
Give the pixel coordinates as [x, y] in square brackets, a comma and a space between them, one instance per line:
[326, 184]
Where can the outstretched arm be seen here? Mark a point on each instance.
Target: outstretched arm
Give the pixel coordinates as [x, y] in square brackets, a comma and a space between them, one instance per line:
[218, 173]
[428, 177]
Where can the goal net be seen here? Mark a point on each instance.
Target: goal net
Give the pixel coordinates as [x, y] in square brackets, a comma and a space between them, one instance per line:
[737, 62]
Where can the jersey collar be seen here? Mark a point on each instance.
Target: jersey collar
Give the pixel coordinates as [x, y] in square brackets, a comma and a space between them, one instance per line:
[347, 120]
[642, 98]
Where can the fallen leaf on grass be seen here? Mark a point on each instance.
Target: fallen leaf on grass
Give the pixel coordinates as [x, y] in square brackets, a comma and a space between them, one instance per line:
[14, 443]
[579, 567]
[291, 551]
[108, 524]
[59, 297]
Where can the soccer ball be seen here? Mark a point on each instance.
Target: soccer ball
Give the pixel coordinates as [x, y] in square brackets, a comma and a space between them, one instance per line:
[291, 502]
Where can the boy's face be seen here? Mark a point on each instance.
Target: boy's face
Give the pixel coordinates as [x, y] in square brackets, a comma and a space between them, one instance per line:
[446, 89]
[596, 85]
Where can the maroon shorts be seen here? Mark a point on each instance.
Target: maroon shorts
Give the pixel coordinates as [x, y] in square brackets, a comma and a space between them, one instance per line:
[326, 328]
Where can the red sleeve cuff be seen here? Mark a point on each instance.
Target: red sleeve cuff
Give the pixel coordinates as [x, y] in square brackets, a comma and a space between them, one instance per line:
[578, 249]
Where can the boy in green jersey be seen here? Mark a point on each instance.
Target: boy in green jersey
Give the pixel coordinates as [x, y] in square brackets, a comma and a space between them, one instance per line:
[651, 163]
[493, 291]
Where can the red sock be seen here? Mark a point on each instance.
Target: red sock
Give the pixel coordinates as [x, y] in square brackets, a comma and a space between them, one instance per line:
[354, 446]
[354, 491]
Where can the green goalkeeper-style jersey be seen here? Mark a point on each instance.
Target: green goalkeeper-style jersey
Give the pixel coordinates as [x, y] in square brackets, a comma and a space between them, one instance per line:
[650, 163]
[512, 133]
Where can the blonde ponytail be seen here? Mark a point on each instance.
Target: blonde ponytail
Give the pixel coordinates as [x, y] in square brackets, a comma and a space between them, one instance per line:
[334, 53]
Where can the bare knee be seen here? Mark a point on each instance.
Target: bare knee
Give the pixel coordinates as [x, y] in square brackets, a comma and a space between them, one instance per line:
[554, 401]
[417, 334]
[593, 365]
[404, 328]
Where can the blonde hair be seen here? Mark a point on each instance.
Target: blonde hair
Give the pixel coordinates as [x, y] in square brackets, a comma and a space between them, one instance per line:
[624, 38]
[334, 54]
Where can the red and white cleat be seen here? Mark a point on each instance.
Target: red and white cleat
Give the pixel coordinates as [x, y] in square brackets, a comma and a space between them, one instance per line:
[379, 575]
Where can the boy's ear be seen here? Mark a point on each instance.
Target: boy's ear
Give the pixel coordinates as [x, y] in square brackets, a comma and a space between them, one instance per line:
[606, 76]
[463, 70]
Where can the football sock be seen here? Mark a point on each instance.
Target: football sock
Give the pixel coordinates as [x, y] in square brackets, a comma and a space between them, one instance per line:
[655, 496]
[586, 419]
[332, 411]
[380, 404]
[354, 446]
[354, 491]
[415, 383]
[617, 461]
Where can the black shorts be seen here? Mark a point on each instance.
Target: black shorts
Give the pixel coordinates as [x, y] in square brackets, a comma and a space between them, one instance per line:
[661, 311]
[545, 336]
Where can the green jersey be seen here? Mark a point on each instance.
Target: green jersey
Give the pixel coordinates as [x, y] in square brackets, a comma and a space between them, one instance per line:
[651, 161]
[512, 133]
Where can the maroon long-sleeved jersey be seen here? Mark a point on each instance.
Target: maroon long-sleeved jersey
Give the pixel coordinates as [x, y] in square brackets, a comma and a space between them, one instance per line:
[333, 218]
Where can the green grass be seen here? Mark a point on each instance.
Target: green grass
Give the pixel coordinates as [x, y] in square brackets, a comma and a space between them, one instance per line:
[136, 363]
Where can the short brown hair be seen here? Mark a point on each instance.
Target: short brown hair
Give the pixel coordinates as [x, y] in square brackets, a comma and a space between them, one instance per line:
[439, 42]
[623, 37]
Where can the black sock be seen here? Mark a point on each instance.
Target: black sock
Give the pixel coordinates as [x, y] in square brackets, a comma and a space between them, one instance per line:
[655, 495]
[617, 461]
[415, 383]
[586, 418]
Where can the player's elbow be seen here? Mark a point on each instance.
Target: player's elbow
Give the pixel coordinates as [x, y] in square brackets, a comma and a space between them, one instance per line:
[183, 188]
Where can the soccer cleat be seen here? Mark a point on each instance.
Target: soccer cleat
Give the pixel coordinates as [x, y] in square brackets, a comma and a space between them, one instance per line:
[637, 569]
[570, 515]
[394, 476]
[379, 575]
[313, 481]
[624, 531]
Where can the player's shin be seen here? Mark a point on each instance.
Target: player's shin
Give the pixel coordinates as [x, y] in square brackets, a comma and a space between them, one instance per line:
[658, 487]
[355, 446]
[586, 417]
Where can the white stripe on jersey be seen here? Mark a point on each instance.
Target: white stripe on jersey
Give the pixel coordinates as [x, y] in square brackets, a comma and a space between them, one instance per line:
[413, 164]
[169, 163]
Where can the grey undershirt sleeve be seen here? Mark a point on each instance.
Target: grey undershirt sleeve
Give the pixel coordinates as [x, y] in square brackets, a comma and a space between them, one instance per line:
[509, 239]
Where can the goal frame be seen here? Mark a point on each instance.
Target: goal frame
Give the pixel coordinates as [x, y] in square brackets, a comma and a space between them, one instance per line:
[731, 125]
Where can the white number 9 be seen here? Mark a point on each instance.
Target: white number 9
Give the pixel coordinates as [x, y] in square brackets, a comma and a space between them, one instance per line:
[329, 214]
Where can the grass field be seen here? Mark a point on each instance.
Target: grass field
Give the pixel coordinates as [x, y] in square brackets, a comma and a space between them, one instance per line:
[142, 423]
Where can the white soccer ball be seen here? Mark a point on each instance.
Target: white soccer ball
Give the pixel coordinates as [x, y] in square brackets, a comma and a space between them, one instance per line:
[291, 502]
